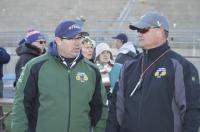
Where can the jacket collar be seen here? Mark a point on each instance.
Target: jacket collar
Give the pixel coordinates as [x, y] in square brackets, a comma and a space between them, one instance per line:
[52, 50]
[23, 49]
[155, 52]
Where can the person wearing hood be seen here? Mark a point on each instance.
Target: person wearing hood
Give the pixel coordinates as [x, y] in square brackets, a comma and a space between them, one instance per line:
[60, 90]
[126, 50]
[31, 46]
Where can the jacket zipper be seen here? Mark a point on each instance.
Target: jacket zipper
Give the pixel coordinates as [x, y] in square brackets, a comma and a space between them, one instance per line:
[142, 90]
[68, 70]
[69, 115]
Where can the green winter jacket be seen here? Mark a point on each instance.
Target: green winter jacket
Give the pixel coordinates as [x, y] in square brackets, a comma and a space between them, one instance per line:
[51, 97]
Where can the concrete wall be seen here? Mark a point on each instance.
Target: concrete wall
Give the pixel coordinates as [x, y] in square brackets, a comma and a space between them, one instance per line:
[20, 15]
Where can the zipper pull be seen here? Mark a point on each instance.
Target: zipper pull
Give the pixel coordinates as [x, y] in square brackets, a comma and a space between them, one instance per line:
[73, 63]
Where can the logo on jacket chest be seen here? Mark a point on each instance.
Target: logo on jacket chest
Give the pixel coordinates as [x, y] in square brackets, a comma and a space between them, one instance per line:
[82, 77]
[160, 72]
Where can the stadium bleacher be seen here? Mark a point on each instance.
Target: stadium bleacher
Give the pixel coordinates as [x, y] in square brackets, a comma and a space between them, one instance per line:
[104, 19]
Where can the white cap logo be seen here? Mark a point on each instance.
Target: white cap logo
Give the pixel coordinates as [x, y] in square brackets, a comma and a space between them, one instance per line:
[158, 23]
[74, 26]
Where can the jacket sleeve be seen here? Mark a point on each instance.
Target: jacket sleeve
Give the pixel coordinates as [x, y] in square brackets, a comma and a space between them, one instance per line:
[101, 124]
[192, 90]
[19, 66]
[116, 108]
[19, 120]
[26, 102]
[187, 97]
[112, 123]
[98, 113]
[4, 56]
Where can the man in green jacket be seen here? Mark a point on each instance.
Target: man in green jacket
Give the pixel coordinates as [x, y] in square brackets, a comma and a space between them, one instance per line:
[60, 91]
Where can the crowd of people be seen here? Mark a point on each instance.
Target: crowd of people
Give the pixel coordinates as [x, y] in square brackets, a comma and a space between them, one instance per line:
[77, 85]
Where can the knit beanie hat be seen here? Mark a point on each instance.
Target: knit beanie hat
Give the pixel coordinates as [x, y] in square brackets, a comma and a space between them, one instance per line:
[102, 47]
[33, 36]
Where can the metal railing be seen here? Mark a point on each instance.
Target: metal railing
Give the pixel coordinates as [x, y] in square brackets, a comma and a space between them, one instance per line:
[178, 38]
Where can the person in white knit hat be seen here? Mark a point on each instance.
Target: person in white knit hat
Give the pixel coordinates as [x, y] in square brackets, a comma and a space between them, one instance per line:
[109, 70]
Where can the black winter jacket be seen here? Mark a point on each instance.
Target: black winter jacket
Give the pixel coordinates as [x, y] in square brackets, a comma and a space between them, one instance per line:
[25, 54]
[122, 58]
[4, 58]
[167, 100]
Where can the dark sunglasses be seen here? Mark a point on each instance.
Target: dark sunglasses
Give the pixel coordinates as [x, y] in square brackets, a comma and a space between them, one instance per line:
[145, 30]
[42, 42]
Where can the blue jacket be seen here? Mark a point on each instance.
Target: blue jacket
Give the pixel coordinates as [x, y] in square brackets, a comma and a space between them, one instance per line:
[4, 58]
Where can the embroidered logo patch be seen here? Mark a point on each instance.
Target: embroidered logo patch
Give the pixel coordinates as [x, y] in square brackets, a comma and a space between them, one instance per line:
[160, 72]
[193, 78]
[82, 77]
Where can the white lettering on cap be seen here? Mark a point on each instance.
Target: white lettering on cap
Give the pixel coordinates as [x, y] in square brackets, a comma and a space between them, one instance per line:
[74, 26]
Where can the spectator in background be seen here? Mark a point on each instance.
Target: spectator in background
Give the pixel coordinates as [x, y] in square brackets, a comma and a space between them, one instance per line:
[30, 47]
[87, 48]
[159, 91]
[4, 59]
[60, 91]
[22, 41]
[80, 21]
[109, 70]
[126, 50]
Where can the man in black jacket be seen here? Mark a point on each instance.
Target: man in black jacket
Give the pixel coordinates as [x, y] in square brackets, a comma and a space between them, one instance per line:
[126, 50]
[159, 91]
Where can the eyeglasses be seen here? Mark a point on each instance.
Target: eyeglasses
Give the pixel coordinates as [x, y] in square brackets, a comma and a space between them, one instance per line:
[41, 42]
[145, 30]
[75, 38]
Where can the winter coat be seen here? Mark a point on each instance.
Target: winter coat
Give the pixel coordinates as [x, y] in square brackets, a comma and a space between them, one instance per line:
[166, 100]
[25, 54]
[53, 97]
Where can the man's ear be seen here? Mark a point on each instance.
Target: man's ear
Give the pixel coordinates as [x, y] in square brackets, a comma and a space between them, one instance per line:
[58, 40]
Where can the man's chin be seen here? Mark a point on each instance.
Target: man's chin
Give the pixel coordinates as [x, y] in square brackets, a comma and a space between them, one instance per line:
[141, 45]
